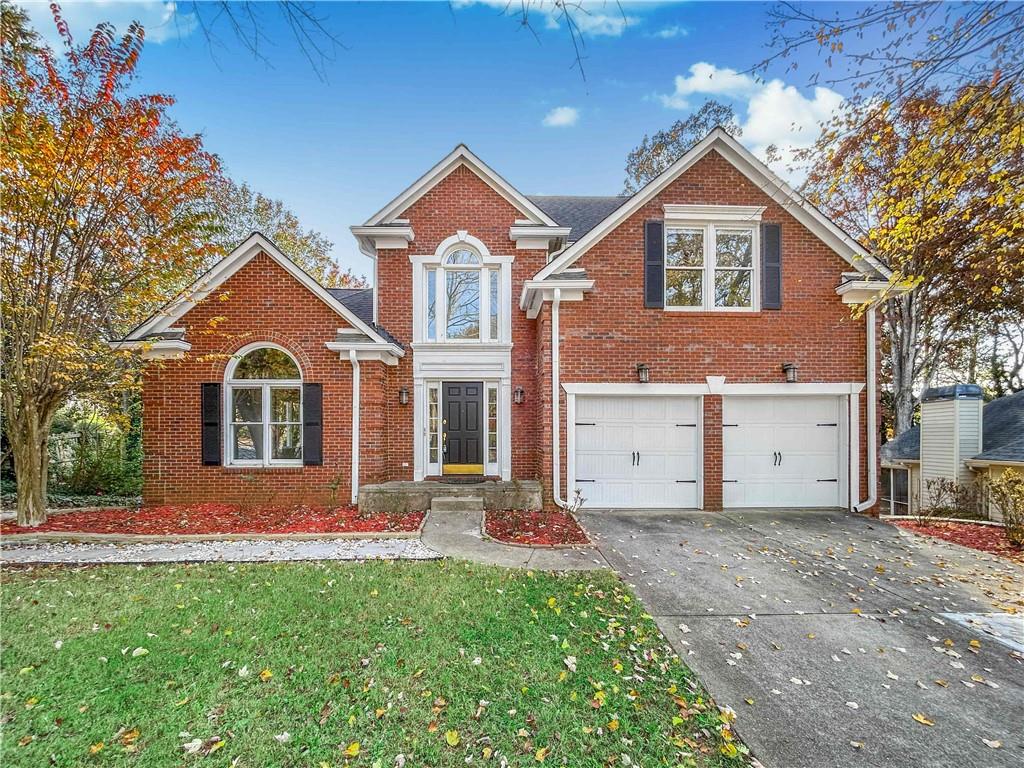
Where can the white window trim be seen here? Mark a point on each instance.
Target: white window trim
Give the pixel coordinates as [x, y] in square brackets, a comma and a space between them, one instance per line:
[423, 466]
[710, 265]
[265, 385]
[488, 264]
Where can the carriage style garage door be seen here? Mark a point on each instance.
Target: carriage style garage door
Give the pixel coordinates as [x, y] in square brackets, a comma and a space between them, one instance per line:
[637, 451]
[781, 451]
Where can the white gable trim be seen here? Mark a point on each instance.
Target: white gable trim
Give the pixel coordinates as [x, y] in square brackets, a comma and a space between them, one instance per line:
[745, 162]
[459, 156]
[228, 266]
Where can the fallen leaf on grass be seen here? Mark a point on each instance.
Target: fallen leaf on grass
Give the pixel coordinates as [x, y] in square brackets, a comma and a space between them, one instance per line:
[451, 738]
[352, 750]
[541, 754]
[97, 747]
[922, 719]
[139, 652]
[283, 738]
[265, 675]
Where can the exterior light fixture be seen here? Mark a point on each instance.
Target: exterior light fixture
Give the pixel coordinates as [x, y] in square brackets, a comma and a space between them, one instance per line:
[403, 396]
[518, 395]
[791, 370]
[643, 372]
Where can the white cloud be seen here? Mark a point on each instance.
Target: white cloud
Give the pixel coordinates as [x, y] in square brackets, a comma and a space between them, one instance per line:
[593, 18]
[159, 18]
[561, 117]
[771, 113]
[668, 33]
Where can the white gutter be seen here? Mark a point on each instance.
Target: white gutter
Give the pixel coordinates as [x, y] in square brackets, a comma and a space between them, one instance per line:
[556, 424]
[355, 424]
[872, 417]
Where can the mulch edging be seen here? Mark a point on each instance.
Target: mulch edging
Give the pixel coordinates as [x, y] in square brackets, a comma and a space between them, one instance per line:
[538, 545]
[981, 538]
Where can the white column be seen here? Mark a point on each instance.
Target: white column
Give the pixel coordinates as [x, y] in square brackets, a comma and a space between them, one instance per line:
[854, 399]
[355, 424]
[505, 428]
[419, 429]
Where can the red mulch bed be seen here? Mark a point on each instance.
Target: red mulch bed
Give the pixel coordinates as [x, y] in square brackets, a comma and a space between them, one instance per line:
[221, 518]
[987, 538]
[544, 529]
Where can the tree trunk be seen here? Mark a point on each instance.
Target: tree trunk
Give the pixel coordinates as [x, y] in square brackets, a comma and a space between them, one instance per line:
[29, 434]
[901, 327]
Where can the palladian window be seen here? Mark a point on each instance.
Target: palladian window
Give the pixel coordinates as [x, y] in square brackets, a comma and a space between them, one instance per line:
[462, 298]
[264, 408]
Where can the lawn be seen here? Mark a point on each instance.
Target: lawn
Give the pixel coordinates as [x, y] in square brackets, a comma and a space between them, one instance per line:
[380, 664]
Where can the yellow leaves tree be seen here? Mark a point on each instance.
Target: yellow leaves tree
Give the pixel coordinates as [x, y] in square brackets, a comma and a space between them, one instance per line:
[104, 205]
[933, 184]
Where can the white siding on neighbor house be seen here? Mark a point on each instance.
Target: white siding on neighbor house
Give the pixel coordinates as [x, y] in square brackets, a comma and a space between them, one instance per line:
[950, 433]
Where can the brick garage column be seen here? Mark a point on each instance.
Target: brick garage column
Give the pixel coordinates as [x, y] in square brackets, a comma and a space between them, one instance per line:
[713, 452]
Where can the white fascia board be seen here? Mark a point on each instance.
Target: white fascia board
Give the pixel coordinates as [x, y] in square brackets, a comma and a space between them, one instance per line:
[396, 237]
[228, 266]
[461, 155]
[745, 162]
[156, 349]
[900, 463]
[735, 390]
[734, 213]
[534, 237]
[536, 292]
[865, 291]
[985, 463]
[386, 353]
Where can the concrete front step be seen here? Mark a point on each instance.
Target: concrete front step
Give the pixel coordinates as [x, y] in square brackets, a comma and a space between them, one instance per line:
[457, 504]
[402, 496]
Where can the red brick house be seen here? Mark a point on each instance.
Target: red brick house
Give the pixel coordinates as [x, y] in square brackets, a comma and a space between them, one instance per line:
[690, 346]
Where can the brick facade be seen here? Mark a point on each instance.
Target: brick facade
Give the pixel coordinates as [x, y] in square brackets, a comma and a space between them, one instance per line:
[602, 340]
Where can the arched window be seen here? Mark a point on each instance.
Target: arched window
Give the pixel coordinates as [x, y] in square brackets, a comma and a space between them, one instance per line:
[264, 407]
[463, 297]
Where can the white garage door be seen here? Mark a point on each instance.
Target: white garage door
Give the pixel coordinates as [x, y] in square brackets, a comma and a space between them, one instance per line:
[781, 451]
[637, 451]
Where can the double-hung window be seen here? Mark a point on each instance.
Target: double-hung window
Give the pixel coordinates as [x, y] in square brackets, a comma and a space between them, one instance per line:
[710, 267]
[264, 408]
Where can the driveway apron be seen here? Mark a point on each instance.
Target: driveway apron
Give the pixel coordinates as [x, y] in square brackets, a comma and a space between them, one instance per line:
[829, 632]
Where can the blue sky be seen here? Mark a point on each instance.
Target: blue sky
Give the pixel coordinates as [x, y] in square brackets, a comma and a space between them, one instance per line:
[418, 78]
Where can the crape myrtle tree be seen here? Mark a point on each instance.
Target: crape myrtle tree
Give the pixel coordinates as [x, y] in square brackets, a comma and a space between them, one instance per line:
[104, 204]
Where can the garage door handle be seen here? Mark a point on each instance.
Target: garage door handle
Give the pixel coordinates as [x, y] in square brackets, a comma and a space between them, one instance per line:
[730, 481]
[828, 424]
[585, 424]
[686, 425]
[686, 481]
[585, 481]
[830, 480]
[780, 458]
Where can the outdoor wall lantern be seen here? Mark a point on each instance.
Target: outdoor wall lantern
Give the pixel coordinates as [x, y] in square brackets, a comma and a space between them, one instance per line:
[403, 396]
[791, 370]
[643, 372]
[518, 395]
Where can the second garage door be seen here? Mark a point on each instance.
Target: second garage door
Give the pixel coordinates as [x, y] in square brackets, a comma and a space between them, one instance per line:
[637, 451]
[781, 451]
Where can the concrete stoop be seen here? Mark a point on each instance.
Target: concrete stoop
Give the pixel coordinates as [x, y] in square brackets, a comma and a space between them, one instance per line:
[402, 496]
[457, 504]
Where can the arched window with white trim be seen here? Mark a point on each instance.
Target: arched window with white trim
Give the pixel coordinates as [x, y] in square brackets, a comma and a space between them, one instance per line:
[463, 293]
[263, 401]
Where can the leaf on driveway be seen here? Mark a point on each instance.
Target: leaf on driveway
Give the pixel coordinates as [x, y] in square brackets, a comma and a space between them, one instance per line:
[919, 717]
[993, 743]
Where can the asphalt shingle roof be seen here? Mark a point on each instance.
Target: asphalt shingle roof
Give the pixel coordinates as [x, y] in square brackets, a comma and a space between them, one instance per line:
[580, 213]
[360, 302]
[1002, 439]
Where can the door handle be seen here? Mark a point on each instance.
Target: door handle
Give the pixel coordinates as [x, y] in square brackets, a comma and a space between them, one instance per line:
[633, 457]
[775, 458]
[780, 458]
[638, 458]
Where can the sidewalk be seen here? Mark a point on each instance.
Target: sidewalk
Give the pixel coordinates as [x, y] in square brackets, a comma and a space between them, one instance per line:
[458, 535]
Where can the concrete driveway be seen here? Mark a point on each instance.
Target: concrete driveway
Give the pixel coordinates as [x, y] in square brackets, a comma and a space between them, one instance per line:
[828, 632]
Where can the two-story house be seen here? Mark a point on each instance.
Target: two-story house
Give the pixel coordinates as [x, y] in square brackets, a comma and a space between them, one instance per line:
[689, 346]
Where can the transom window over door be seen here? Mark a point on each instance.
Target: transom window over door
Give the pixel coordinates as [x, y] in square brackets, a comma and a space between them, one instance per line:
[263, 399]
[710, 267]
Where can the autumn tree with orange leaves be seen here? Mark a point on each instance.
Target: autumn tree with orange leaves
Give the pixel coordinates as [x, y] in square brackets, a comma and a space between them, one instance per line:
[104, 205]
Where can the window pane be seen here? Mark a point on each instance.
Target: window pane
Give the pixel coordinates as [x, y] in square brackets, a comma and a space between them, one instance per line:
[683, 287]
[492, 425]
[463, 288]
[462, 256]
[732, 288]
[684, 248]
[247, 404]
[901, 486]
[734, 248]
[495, 304]
[284, 404]
[432, 424]
[286, 441]
[432, 305]
[248, 441]
[266, 363]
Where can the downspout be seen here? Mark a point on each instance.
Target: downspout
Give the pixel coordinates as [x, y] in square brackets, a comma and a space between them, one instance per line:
[355, 424]
[872, 417]
[556, 425]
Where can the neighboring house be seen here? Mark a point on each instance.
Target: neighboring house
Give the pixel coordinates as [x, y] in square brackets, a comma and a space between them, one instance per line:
[958, 440]
[689, 346]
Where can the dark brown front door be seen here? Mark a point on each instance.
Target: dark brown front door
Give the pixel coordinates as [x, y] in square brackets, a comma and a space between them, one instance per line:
[462, 427]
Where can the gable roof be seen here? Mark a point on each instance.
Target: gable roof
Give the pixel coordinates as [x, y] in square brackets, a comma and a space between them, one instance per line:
[360, 301]
[1002, 434]
[459, 156]
[253, 245]
[744, 161]
[581, 213]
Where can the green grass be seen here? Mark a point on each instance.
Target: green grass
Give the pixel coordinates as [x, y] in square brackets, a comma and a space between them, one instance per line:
[394, 656]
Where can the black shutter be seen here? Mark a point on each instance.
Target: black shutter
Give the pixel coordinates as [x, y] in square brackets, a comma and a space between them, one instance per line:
[771, 266]
[654, 263]
[312, 425]
[211, 424]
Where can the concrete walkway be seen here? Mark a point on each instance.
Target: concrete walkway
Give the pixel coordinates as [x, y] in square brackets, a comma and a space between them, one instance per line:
[216, 551]
[459, 535]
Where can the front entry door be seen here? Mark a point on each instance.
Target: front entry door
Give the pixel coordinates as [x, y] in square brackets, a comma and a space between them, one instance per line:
[462, 428]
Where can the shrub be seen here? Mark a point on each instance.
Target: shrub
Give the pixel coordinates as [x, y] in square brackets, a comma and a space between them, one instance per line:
[1007, 494]
[948, 498]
